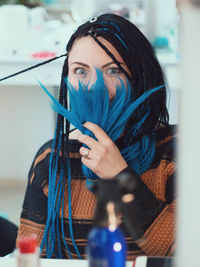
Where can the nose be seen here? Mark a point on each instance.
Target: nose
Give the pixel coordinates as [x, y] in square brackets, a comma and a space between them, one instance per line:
[90, 79]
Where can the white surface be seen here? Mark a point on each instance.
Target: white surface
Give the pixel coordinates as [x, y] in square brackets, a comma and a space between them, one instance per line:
[14, 19]
[6, 262]
[49, 74]
[26, 122]
[161, 17]
[189, 144]
[141, 261]
[26, 118]
[82, 10]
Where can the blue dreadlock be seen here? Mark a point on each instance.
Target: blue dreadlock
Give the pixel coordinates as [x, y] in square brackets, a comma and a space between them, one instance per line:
[115, 30]
[56, 192]
[111, 117]
[140, 155]
[145, 108]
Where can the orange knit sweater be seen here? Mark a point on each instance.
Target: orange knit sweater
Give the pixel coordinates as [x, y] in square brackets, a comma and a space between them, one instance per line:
[158, 239]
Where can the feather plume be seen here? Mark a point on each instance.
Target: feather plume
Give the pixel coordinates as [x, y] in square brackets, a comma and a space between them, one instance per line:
[91, 103]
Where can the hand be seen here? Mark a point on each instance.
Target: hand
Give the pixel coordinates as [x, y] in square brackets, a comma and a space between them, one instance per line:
[103, 158]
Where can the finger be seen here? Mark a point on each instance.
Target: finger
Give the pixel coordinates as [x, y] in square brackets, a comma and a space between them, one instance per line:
[100, 134]
[89, 141]
[85, 152]
[88, 163]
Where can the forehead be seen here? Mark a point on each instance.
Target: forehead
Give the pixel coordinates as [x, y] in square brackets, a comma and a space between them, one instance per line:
[87, 50]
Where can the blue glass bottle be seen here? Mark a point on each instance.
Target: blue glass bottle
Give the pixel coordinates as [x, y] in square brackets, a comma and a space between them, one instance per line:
[106, 245]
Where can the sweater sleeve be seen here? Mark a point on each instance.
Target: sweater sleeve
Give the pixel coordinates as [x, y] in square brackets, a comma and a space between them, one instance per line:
[34, 210]
[151, 216]
[158, 240]
[159, 237]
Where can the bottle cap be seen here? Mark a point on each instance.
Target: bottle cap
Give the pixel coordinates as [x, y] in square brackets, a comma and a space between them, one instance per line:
[28, 244]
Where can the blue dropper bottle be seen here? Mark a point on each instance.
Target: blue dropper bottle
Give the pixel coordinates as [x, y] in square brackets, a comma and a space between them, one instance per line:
[106, 242]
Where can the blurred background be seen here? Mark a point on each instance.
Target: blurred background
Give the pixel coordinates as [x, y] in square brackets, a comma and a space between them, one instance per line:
[32, 31]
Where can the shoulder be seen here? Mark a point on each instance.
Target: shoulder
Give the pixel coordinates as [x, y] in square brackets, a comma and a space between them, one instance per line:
[166, 140]
[166, 137]
[40, 164]
[161, 176]
[39, 170]
[166, 133]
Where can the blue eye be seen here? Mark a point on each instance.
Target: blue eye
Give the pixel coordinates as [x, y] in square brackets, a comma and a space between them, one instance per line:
[80, 71]
[113, 70]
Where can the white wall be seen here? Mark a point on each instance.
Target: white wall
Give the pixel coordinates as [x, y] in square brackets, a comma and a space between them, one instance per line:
[173, 77]
[160, 17]
[26, 122]
[189, 142]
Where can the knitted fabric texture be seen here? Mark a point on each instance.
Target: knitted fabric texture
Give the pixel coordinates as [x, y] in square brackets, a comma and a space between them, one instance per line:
[160, 179]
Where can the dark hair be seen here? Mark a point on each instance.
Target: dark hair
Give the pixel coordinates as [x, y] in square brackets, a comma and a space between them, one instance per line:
[140, 58]
[146, 74]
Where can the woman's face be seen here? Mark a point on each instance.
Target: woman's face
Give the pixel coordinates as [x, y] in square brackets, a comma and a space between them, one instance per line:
[86, 56]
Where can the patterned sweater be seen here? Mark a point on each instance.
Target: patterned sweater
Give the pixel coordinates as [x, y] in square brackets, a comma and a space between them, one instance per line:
[159, 237]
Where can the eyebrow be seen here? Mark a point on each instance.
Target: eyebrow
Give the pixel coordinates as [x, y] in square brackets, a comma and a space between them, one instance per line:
[104, 66]
[110, 63]
[80, 63]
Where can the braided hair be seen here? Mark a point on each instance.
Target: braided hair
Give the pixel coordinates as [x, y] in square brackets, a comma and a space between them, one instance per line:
[145, 74]
[140, 59]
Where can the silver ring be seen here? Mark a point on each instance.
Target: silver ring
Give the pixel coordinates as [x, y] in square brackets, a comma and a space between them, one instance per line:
[93, 19]
[86, 154]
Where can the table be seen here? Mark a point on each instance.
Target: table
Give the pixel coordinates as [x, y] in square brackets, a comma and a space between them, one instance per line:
[12, 262]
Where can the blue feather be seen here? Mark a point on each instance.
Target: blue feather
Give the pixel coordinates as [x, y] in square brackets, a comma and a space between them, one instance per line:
[91, 103]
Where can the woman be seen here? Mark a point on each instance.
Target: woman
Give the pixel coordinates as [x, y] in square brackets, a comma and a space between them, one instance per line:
[58, 206]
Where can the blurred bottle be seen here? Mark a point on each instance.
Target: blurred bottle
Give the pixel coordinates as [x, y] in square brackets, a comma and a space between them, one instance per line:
[28, 252]
[106, 242]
